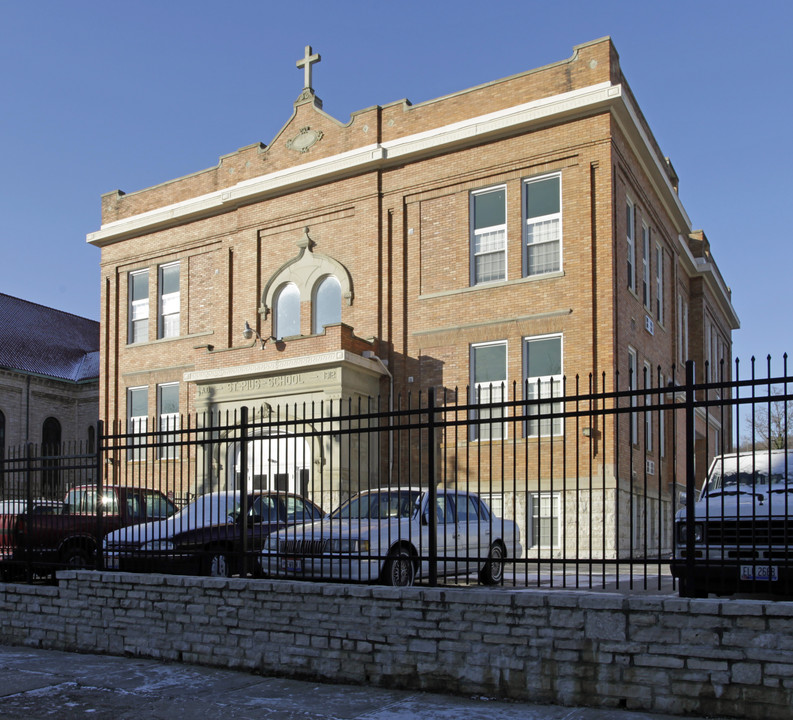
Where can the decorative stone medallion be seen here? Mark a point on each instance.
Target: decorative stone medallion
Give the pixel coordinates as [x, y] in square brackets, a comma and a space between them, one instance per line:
[304, 140]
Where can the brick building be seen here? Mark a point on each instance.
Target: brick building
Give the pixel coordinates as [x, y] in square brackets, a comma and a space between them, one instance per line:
[49, 386]
[521, 231]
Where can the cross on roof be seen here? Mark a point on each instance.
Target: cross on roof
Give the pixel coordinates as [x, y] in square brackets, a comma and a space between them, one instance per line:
[306, 62]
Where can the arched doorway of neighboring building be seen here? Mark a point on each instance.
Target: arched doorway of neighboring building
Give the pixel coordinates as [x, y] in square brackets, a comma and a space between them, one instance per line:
[275, 462]
[50, 447]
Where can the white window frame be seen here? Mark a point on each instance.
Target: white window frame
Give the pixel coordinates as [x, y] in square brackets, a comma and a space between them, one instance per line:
[138, 310]
[554, 385]
[630, 231]
[497, 232]
[648, 414]
[682, 329]
[646, 294]
[486, 392]
[318, 323]
[137, 426]
[659, 284]
[279, 308]
[545, 511]
[168, 422]
[633, 371]
[169, 305]
[530, 223]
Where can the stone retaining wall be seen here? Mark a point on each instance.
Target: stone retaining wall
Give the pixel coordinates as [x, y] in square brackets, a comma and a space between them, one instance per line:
[664, 654]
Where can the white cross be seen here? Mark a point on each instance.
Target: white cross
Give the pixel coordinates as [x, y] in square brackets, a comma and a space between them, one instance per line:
[306, 64]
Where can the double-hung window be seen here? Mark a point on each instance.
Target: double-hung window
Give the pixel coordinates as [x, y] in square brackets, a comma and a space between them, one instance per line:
[648, 414]
[168, 413]
[545, 511]
[630, 215]
[659, 284]
[137, 413]
[542, 358]
[542, 202]
[138, 306]
[632, 385]
[168, 323]
[488, 235]
[489, 377]
[646, 265]
[682, 329]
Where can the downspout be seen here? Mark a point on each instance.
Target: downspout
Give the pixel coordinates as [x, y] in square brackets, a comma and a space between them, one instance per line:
[369, 354]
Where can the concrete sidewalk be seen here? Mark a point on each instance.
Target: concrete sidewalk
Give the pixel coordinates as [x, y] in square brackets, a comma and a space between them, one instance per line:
[38, 684]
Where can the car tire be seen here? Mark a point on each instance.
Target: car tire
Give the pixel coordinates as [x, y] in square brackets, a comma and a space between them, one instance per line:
[218, 564]
[493, 571]
[399, 571]
[77, 557]
[694, 589]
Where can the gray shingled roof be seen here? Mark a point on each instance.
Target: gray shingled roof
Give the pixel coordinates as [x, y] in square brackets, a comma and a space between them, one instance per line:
[43, 341]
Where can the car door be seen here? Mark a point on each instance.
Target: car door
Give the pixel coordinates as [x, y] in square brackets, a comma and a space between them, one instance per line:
[450, 544]
[469, 534]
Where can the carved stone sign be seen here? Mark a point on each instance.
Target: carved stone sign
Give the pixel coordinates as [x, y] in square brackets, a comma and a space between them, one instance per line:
[270, 386]
[304, 140]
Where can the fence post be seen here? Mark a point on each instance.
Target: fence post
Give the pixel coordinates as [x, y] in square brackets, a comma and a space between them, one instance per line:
[243, 517]
[433, 491]
[28, 508]
[100, 538]
[689, 448]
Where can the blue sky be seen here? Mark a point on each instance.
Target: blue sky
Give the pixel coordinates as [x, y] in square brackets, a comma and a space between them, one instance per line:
[98, 96]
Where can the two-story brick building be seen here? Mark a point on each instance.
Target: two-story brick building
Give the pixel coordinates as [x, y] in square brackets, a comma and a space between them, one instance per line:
[522, 231]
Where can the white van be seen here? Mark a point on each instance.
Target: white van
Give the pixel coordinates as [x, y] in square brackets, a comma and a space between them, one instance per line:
[743, 526]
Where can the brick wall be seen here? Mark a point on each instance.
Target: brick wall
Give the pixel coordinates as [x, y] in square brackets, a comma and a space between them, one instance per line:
[732, 658]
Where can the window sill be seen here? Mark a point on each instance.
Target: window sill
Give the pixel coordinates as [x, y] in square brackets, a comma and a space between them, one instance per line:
[170, 339]
[494, 285]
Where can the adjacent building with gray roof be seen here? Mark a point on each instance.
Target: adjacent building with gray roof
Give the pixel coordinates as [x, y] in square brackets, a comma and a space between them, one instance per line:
[49, 382]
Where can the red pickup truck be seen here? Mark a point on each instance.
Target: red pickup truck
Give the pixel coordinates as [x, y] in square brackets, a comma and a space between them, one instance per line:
[70, 536]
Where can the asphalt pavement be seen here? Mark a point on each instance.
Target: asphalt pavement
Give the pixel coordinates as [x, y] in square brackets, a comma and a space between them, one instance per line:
[38, 684]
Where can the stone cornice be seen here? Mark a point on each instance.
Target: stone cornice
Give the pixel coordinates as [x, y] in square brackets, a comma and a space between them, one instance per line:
[367, 158]
[274, 367]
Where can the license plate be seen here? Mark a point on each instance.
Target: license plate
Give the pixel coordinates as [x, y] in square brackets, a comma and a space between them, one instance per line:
[760, 572]
[291, 565]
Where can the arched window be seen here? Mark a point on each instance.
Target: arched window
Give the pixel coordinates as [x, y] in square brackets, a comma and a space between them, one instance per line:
[2, 435]
[326, 303]
[50, 446]
[287, 311]
[91, 438]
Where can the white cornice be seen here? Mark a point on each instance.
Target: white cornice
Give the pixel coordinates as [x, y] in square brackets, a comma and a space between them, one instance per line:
[275, 367]
[369, 157]
[709, 271]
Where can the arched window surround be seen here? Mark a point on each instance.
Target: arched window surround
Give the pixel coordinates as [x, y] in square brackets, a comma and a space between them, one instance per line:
[305, 271]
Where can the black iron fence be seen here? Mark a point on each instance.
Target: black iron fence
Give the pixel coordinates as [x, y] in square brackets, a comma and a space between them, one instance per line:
[558, 483]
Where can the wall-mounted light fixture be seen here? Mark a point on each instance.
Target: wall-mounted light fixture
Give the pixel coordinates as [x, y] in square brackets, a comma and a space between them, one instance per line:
[248, 332]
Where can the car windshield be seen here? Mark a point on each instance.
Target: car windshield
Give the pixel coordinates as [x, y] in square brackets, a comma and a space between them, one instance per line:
[377, 505]
[209, 509]
[749, 474]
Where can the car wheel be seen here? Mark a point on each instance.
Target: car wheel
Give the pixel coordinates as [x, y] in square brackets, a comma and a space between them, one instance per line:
[493, 571]
[76, 558]
[695, 588]
[218, 564]
[399, 569]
